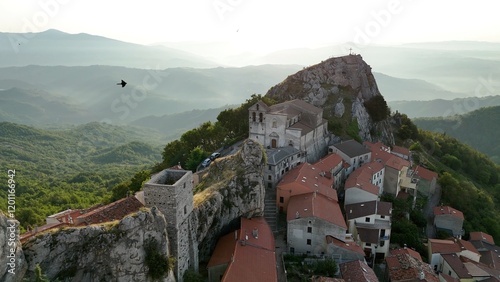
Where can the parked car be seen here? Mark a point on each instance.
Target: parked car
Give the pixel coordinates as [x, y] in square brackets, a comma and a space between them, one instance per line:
[215, 155]
[206, 162]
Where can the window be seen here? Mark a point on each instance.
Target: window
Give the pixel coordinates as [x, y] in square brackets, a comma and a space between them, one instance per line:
[282, 199]
[309, 229]
[257, 107]
[269, 177]
[367, 219]
[253, 116]
[270, 168]
[309, 242]
[382, 216]
[260, 117]
[185, 209]
[269, 185]
[275, 123]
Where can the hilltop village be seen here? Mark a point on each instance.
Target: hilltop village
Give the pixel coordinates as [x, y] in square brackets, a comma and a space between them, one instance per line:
[323, 200]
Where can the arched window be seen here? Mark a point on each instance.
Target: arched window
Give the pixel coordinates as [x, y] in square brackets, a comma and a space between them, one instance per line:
[274, 123]
[257, 107]
[253, 116]
[260, 117]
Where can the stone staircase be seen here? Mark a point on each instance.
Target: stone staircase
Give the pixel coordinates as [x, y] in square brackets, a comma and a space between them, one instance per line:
[270, 211]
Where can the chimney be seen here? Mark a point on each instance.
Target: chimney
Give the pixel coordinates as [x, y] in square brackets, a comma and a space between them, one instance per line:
[421, 275]
[255, 233]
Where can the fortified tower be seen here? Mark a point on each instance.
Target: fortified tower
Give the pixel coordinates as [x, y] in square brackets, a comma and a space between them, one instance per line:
[171, 191]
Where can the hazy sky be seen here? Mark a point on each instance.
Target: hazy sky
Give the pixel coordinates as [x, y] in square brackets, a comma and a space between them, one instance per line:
[257, 25]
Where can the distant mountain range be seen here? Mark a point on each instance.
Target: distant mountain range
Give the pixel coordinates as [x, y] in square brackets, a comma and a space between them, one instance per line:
[479, 129]
[53, 48]
[443, 108]
[91, 94]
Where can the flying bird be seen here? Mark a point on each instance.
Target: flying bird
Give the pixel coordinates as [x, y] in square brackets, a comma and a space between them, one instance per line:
[123, 83]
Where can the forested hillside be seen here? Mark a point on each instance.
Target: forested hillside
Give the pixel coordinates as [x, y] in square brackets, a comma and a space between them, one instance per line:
[75, 167]
[479, 129]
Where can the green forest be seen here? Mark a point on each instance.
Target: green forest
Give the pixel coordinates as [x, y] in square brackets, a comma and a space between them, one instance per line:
[74, 167]
[477, 129]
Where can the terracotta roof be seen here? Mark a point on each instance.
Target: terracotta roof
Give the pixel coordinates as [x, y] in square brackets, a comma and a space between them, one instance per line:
[481, 236]
[425, 173]
[357, 271]
[254, 255]
[447, 210]
[466, 245]
[456, 265]
[400, 150]
[388, 159]
[405, 267]
[358, 210]
[361, 179]
[407, 251]
[114, 211]
[351, 148]
[305, 178]
[376, 146]
[350, 246]
[315, 205]
[491, 259]
[224, 249]
[329, 162]
[443, 246]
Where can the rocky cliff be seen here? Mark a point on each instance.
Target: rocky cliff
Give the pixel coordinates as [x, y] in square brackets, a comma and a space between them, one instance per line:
[112, 252]
[12, 261]
[233, 187]
[340, 86]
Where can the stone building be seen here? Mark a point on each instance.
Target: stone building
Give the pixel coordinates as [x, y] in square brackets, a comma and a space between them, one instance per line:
[171, 191]
[279, 162]
[293, 123]
[353, 153]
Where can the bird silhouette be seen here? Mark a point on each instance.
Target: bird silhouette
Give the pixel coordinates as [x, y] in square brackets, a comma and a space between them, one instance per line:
[123, 83]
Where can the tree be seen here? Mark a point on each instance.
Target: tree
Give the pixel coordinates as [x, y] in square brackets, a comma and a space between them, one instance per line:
[377, 108]
[196, 156]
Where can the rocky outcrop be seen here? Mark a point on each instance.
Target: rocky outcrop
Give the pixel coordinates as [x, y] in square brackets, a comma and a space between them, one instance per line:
[12, 261]
[340, 86]
[110, 252]
[232, 188]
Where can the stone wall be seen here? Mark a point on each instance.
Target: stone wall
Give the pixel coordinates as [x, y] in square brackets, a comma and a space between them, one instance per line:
[100, 253]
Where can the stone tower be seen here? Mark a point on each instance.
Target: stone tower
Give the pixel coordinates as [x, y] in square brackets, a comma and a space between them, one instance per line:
[171, 191]
[257, 122]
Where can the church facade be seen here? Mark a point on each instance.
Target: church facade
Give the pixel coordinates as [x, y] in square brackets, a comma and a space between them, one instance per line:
[295, 123]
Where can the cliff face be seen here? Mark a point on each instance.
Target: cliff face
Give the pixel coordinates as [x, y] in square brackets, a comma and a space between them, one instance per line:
[12, 261]
[340, 86]
[112, 252]
[233, 187]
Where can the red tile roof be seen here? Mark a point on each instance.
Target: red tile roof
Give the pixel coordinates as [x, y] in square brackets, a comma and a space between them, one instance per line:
[456, 265]
[388, 159]
[328, 163]
[363, 209]
[466, 245]
[481, 236]
[408, 251]
[376, 146]
[315, 205]
[443, 246]
[405, 267]
[224, 249]
[362, 177]
[447, 210]
[425, 173]
[114, 211]
[357, 271]
[305, 178]
[350, 246]
[401, 150]
[254, 255]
